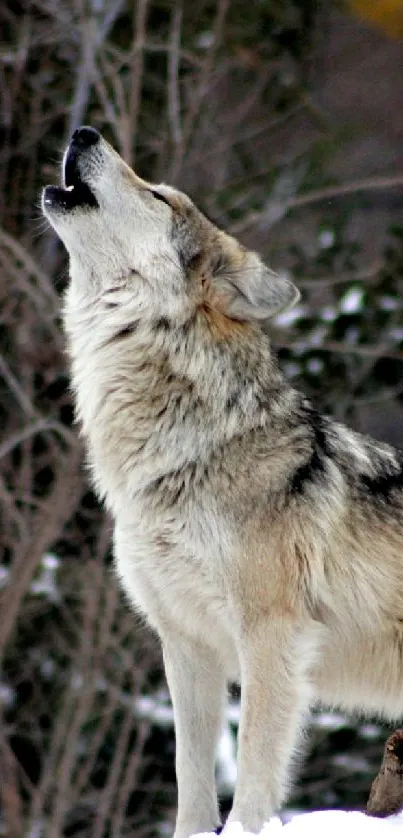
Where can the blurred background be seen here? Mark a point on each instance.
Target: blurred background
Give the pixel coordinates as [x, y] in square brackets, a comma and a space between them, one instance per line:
[284, 121]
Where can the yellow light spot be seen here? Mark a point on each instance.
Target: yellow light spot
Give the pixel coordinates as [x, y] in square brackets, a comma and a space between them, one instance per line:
[386, 14]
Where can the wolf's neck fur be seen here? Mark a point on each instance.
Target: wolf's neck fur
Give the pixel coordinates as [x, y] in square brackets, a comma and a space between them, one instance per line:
[167, 390]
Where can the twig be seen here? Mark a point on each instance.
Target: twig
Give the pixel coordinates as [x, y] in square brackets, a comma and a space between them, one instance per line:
[329, 192]
[369, 272]
[93, 34]
[37, 427]
[49, 774]
[21, 397]
[64, 792]
[82, 87]
[9, 791]
[104, 639]
[105, 806]
[109, 106]
[346, 349]
[199, 94]
[29, 264]
[47, 526]
[136, 80]
[130, 776]
[174, 109]
[315, 196]
[383, 396]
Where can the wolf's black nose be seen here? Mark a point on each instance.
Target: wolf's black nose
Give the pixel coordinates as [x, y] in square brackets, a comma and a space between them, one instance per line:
[85, 136]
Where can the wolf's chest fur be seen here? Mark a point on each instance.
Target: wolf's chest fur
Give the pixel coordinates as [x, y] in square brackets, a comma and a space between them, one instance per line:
[156, 441]
[174, 578]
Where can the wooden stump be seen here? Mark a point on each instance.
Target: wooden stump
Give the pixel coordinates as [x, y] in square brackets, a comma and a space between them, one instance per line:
[386, 795]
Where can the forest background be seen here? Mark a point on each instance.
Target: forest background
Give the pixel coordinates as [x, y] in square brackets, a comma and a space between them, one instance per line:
[284, 121]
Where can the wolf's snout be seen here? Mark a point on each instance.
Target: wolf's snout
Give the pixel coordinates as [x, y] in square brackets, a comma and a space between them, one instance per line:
[74, 172]
[76, 191]
[84, 137]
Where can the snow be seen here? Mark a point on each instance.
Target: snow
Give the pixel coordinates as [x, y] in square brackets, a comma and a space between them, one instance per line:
[4, 574]
[314, 365]
[318, 824]
[369, 731]
[330, 721]
[291, 315]
[157, 708]
[291, 369]
[326, 239]
[226, 762]
[317, 336]
[396, 334]
[46, 583]
[205, 40]
[352, 301]
[328, 314]
[388, 303]
[7, 696]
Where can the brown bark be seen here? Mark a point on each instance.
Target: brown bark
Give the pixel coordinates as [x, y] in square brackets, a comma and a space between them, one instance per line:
[386, 795]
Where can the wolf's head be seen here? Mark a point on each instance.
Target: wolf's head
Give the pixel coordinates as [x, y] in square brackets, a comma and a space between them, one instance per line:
[122, 232]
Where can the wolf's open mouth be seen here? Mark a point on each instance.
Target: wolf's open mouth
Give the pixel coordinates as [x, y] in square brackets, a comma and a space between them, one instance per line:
[75, 192]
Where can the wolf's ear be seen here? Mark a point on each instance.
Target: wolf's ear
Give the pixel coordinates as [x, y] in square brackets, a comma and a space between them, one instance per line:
[248, 290]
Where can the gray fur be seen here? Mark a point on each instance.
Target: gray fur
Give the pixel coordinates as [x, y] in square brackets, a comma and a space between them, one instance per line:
[263, 541]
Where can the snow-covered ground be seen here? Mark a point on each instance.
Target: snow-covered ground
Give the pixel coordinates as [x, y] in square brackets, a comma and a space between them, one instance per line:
[331, 823]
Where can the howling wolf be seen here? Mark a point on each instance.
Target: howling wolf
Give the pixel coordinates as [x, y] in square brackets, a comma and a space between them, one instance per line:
[262, 540]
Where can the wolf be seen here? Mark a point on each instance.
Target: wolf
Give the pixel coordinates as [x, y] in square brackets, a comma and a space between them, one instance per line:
[262, 541]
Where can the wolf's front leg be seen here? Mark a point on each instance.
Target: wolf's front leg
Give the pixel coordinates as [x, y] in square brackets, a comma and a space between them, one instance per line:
[273, 697]
[197, 686]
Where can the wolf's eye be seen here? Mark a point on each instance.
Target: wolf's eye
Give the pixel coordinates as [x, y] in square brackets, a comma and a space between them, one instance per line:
[160, 197]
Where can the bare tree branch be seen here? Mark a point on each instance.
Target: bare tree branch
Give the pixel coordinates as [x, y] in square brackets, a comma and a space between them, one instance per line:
[137, 65]
[174, 105]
